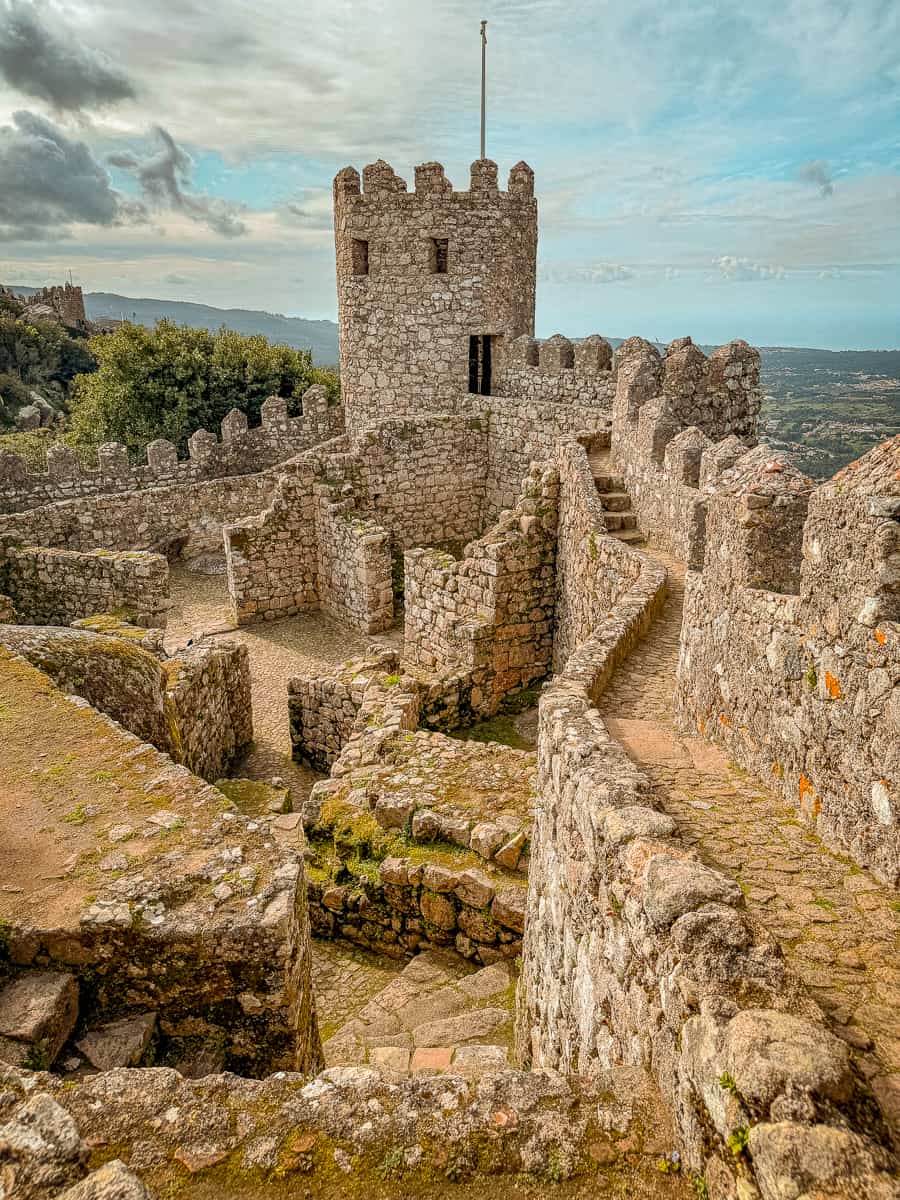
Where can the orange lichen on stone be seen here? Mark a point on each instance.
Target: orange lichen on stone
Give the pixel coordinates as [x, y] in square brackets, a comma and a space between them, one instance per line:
[879, 636]
[834, 687]
[723, 719]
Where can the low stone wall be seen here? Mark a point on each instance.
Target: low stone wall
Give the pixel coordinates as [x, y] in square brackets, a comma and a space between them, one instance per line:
[241, 451]
[208, 697]
[195, 708]
[490, 614]
[310, 549]
[636, 953]
[593, 571]
[322, 709]
[347, 1131]
[791, 644]
[415, 906]
[56, 587]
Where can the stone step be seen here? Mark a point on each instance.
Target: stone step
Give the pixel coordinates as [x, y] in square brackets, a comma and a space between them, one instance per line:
[620, 520]
[438, 1014]
[608, 483]
[633, 536]
[615, 501]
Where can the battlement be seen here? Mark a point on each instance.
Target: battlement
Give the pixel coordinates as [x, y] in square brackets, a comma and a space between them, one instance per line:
[380, 182]
[242, 450]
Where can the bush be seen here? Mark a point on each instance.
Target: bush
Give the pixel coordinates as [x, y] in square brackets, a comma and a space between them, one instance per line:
[172, 380]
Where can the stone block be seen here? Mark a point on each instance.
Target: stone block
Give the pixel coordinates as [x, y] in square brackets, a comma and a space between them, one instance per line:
[119, 1043]
[474, 888]
[38, 1011]
[508, 908]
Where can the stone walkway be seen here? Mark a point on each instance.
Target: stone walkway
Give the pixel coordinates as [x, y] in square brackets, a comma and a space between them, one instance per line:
[308, 644]
[439, 1013]
[839, 927]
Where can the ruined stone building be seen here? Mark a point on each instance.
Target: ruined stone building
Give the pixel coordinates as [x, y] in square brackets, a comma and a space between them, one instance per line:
[494, 774]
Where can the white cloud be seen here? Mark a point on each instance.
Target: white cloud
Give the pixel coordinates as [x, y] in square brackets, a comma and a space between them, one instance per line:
[742, 270]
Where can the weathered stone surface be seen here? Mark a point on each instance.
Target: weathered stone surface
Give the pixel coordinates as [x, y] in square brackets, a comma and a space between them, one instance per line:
[674, 886]
[112, 1181]
[473, 887]
[119, 1043]
[40, 1150]
[38, 1011]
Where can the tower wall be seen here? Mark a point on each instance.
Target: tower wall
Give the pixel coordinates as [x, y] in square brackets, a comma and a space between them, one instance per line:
[405, 323]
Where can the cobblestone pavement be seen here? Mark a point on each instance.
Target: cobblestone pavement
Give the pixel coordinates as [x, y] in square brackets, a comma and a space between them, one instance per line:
[306, 644]
[439, 1012]
[838, 926]
[345, 978]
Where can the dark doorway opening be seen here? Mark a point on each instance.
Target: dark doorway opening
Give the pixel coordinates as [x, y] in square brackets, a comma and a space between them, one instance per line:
[480, 363]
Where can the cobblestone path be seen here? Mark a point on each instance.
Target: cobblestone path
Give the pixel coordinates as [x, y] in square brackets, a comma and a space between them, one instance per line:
[278, 650]
[838, 926]
[345, 978]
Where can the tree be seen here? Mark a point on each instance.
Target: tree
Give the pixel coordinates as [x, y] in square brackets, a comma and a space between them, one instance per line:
[172, 380]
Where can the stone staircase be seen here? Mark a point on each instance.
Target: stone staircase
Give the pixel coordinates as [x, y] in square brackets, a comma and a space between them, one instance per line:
[438, 1014]
[621, 520]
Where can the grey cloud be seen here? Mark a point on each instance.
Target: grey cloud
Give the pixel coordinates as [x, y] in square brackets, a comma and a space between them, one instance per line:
[165, 179]
[817, 174]
[176, 280]
[54, 66]
[50, 180]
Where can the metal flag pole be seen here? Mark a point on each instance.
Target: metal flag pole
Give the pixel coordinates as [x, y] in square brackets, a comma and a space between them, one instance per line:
[483, 79]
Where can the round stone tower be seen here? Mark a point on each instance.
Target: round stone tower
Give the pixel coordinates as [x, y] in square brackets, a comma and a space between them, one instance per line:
[432, 285]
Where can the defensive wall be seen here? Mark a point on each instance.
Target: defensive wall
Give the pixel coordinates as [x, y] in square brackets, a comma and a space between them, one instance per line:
[240, 451]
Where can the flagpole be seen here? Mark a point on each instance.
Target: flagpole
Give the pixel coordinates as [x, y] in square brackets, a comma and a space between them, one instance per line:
[483, 81]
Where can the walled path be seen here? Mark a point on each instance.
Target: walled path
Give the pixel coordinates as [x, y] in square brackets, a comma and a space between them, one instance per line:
[308, 644]
[838, 926]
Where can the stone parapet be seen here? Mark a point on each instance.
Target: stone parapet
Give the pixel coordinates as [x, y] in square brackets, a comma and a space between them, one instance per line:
[791, 643]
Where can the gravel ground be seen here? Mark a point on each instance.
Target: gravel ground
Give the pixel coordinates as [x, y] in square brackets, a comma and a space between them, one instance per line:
[306, 645]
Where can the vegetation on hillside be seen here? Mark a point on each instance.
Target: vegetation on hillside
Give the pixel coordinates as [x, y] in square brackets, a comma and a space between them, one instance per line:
[171, 380]
[36, 355]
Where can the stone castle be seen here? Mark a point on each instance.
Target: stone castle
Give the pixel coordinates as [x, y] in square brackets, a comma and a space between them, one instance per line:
[495, 774]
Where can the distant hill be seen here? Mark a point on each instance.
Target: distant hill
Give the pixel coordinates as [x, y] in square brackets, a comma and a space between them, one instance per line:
[319, 336]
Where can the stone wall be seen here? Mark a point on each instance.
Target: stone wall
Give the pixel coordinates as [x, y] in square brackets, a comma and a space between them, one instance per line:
[593, 571]
[194, 707]
[185, 519]
[241, 451]
[791, 644]
[56, 587]
[208, 697]
[636, 953]
[322, 708]
[489, 615]
[343, 514]
[405, 323]
[677, 419]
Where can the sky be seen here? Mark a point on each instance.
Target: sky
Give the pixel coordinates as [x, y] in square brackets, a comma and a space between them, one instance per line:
[706, 167]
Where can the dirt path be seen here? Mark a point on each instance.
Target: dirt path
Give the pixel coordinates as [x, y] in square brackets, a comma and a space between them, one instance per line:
[838, 926]
[308, 644]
